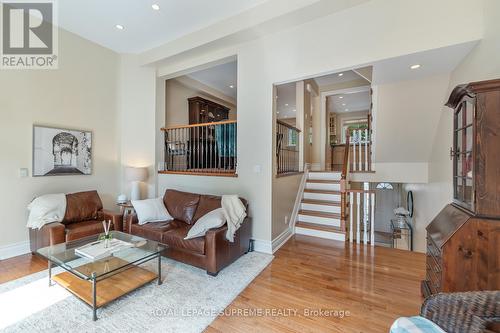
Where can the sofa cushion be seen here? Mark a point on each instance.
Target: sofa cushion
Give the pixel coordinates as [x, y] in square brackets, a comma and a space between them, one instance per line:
[175, 239]
[82, 206]
[154, 231]
[207, 204]
[83, 229]
[181, 205]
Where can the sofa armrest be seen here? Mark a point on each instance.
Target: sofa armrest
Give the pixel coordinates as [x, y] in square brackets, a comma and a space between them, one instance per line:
[49, 234]
[463, 311]
[130, 219]
[116, 219]
[220, 252]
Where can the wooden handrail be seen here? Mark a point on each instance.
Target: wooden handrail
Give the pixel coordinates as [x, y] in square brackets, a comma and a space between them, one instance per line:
[288, 125]
[346, 157]
[199, 125]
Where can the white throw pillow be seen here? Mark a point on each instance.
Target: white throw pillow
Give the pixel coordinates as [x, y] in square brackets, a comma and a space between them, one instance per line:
[46, 209]
[151, 210]
[210, 220]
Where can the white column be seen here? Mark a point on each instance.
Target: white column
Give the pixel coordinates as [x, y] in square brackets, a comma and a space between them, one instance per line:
[372, 229]
[351, 217]
[365, 217]
[354, 164]
[359, 147]
[358, 214]
[366, 151]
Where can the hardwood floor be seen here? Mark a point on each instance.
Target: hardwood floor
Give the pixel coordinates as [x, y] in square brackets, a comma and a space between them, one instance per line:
[17, 267]
[375, 285]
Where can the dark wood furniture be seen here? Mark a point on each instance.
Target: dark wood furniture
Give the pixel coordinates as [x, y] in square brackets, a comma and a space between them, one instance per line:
[203, 111]
[463, 240]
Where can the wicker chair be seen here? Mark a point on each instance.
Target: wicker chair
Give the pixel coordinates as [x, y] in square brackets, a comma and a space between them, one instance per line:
[465, 312]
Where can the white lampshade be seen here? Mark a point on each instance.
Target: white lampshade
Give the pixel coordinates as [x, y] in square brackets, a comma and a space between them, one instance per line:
[136, 174]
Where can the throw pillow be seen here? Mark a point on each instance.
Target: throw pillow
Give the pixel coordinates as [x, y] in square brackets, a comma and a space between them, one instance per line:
[211, 220]
[151, 210]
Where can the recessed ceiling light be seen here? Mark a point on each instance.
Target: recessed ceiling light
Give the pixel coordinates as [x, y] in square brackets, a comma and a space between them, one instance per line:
[155, 6]
[343, 104]
[415, 66]
[278, 112]
[294, 110]
[341, 74]
[341, 97]
[119, 27]
[286, 104]
[231, 86]
[347, 109]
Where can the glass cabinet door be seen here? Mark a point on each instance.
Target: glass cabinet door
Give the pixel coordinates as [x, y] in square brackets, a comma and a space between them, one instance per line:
[463, 147]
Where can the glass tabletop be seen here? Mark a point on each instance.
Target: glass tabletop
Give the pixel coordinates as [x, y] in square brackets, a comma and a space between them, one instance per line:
[64, 255]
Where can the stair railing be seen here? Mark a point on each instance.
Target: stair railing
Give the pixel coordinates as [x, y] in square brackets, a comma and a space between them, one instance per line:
[362, 216]
[361, 151]
[344, 184]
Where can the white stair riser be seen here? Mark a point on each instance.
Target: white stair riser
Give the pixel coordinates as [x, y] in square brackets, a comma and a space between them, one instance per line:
[324, 176]
[320, 233]
[319, 220]
[320, 208]
[322, 196]
[323, 186]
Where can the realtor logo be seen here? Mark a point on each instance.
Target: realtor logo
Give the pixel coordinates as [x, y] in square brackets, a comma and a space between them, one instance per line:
[29, 35]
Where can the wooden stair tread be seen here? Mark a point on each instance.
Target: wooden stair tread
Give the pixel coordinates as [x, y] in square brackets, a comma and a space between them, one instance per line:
[324, 181]
[321, 202]
[321, 227]
[322, 191]
[320, 214]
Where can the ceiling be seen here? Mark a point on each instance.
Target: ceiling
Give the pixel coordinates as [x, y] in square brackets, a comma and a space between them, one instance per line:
[144, 28]
[336, 78]
[220, 77]
[432, 62]
[350, 101]
[285, 103]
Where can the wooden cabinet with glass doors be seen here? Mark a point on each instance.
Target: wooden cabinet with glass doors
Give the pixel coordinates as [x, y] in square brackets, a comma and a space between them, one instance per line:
[463, 240]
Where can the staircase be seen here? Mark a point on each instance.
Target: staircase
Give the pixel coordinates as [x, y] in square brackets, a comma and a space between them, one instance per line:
[320, 208]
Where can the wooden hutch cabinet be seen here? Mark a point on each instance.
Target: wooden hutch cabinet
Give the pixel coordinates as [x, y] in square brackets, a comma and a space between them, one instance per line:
[203, 111]
[463, 240]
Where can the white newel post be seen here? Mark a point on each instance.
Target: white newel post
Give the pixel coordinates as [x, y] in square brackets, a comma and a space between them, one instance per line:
[358, 213]
[372, 229]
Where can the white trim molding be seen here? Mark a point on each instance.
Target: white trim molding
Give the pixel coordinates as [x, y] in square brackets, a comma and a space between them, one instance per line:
[281, 239]
[14, 250]
[263, 246]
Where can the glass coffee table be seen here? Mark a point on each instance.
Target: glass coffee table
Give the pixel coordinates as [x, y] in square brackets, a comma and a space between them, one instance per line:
[102, 281]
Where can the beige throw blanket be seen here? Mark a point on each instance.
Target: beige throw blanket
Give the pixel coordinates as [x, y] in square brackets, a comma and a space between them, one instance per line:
[235, 213]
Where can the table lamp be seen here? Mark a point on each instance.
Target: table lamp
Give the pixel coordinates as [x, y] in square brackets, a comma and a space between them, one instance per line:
[136, 176]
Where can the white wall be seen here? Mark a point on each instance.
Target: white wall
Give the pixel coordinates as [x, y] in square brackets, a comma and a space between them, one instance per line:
[138, 130]
[81, 94]
[177, 93]
[294, 54]
[481, 64]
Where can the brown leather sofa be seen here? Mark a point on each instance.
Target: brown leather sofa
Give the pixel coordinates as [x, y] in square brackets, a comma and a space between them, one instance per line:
[83, 217]
[212, 252]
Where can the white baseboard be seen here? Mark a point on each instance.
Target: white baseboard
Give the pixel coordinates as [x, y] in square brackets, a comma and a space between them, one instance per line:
[281, 239]
[263, 246]
[14, 250]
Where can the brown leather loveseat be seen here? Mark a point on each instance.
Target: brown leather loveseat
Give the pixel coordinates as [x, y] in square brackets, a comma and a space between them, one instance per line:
[83, 217]
[212, 252]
